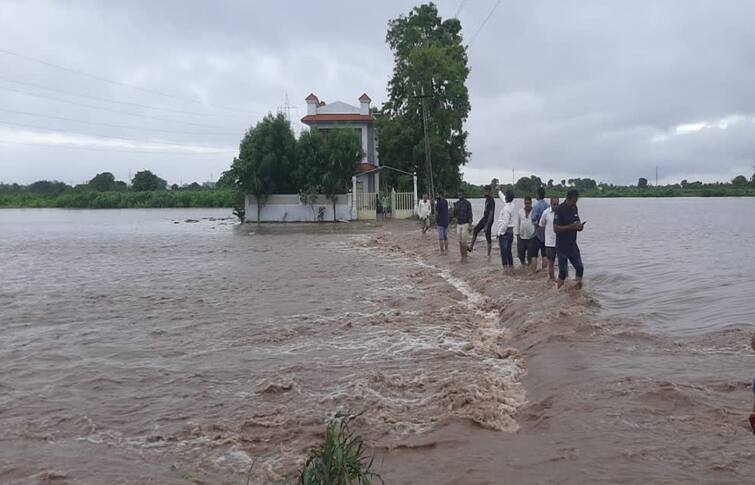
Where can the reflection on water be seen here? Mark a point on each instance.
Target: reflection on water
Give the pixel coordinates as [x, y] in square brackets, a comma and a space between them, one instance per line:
[679, 265]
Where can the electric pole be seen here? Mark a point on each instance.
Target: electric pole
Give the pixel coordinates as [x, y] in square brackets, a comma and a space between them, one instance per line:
[656, 175]
[428, 156]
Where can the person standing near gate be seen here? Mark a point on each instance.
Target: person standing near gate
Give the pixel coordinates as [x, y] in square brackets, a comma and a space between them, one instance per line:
[567, 224]
[486, 222]
[441, 219]
[463, 211]
[423, 212]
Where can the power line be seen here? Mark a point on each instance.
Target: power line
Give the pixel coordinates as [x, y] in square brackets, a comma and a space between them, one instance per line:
[117, 150]
[113, 125]
[125, 103]
[462, 3]
[102, 108]
[111, 81]
[492, 10]
[52, 130]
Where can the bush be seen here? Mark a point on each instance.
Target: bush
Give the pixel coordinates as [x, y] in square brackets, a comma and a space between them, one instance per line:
[341, 460]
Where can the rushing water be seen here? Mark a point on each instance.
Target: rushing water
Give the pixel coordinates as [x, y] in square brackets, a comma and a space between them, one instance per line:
[198, 348]
[680, 265]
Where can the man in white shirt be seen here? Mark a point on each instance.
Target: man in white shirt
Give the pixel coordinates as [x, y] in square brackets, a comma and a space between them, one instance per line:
[506, 225]
[525, 233]
[423, 212]
[546, 222]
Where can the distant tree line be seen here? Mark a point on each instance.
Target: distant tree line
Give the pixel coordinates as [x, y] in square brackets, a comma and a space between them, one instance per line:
[103, 191]
[738, 186]
[272, 160]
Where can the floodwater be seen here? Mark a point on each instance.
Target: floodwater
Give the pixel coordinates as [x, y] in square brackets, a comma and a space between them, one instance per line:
[678, 265]
[176, 346]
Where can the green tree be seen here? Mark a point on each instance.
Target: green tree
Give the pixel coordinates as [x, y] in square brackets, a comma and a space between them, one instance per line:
[739, 180]
[525, 186]
[310, 161]
[147, 181]
[342, 151]
[103, 182]
[430, 69]
[550, 183]
[47, 187]
[267, 157]
[642, 183]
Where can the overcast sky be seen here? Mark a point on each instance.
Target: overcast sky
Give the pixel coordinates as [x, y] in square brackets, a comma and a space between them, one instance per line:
[561, 89]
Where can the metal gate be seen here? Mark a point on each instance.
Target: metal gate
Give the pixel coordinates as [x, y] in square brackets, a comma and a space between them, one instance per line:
[366, 205]
[402, 204]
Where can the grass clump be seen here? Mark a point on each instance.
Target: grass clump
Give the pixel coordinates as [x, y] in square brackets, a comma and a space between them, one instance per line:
[341, 459]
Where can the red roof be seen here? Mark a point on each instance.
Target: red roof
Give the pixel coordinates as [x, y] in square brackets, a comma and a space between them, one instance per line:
[365, 167]
[337, 117]
[311, 97]
[364, 97]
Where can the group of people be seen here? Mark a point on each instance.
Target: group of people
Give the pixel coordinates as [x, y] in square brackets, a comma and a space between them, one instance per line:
[542, 229]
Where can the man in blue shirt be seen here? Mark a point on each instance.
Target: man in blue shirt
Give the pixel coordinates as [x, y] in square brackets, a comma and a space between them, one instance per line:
[441, 219]
[567, 224]
[538, 208]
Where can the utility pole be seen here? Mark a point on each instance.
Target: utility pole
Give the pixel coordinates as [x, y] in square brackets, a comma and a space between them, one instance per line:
[656, 175]
[513, 177]
[428, 156]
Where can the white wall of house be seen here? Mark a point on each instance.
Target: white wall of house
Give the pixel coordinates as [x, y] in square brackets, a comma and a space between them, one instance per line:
[288, 208]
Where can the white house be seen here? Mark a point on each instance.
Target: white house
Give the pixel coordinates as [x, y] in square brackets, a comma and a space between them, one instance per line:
[322, 117]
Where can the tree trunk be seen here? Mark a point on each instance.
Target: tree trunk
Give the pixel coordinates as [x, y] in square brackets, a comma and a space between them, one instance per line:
[259, 209]
[334, 209]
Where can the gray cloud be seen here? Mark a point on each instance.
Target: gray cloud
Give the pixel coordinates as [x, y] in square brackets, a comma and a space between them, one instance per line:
[560, 88]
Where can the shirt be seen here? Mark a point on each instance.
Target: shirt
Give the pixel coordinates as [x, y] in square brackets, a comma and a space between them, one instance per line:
[524, 227]
[441, 212]
[546, 224]
[463, 211]
[566, 241]
[423, 209]
[508, 216]
[538, 208]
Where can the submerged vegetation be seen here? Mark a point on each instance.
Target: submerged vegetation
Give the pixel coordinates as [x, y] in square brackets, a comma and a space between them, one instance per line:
[341, 460]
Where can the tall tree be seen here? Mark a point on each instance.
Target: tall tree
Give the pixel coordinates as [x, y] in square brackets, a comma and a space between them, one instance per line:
[341, 152]
[267, 158]
[103, 182]
[145, 180]
[430, 70]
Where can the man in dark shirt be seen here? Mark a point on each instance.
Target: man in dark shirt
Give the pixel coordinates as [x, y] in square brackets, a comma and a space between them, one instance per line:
[441, 219]
[463, 211]
[566, 223]
[486, 222]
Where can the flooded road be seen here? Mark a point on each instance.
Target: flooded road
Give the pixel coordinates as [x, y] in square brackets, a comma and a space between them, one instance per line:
[139, 346]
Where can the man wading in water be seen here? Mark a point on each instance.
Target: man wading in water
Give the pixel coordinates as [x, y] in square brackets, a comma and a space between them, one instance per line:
[463, 211]
[506, 223]
[423, 212]
[441, 220]
[486, 222]
[566, 223]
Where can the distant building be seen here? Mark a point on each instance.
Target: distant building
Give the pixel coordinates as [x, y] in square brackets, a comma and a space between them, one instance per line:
[323, 117]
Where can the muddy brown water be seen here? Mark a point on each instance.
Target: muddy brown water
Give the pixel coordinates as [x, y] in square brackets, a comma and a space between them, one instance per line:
[141, 348]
